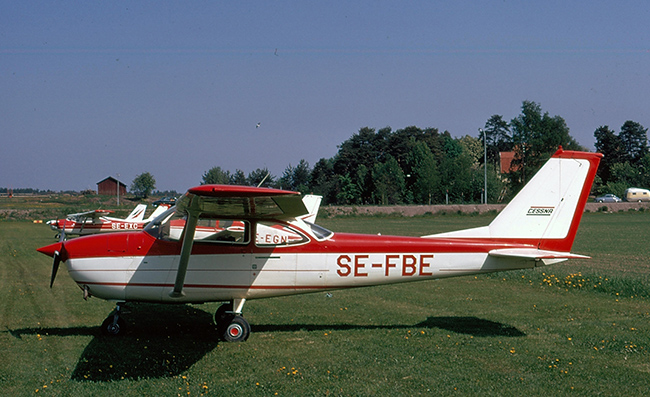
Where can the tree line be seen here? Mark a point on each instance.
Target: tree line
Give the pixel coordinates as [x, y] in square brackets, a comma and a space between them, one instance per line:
[425, 166]
[626, 160]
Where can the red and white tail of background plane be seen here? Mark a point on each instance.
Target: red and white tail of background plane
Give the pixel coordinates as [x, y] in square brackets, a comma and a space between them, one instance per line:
[235, 243]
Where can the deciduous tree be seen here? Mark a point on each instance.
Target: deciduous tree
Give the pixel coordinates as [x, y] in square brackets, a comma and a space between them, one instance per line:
[389, 181]
[143, 185]
[425, 185]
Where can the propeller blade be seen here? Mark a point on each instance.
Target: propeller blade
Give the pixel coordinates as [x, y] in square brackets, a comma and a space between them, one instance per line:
[55, 266]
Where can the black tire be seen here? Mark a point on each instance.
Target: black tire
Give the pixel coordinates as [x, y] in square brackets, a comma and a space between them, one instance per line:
[237, 331]
[220, 316]
[112, 328]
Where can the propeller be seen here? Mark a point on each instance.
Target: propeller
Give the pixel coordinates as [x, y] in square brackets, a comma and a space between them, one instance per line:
[57, 257]
[55, 266]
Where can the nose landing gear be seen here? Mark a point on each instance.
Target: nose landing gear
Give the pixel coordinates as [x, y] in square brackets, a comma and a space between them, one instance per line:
[114, 325]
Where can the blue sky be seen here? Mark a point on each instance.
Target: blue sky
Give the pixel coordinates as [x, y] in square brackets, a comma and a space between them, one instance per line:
[92, 89]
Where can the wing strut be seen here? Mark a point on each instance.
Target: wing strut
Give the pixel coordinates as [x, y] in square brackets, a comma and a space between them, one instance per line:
[186, 250]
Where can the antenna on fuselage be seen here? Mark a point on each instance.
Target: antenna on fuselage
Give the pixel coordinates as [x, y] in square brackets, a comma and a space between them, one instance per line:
[263, 179]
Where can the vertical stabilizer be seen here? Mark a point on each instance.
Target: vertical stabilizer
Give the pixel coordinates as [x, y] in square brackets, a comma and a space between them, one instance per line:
[549, 207]
[159, 210]
[137, 215]
[312, 203]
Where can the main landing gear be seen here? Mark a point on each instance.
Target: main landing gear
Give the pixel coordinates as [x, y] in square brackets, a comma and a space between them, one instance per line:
[231, 326]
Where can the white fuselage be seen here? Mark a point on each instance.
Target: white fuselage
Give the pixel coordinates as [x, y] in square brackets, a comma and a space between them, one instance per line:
[257, 275]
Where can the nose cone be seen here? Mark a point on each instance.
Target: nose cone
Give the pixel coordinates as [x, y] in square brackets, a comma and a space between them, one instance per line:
[49, 250]
[54, 224]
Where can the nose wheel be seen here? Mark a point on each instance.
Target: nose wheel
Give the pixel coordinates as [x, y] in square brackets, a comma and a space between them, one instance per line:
[114, 325]
[231, 326]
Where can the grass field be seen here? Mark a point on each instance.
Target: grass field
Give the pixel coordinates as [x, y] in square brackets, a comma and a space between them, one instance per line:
[58, 206]
[582, 327]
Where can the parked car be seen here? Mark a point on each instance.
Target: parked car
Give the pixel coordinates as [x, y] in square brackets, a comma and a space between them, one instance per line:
[636, 194]
[608, 198]
[165, 200]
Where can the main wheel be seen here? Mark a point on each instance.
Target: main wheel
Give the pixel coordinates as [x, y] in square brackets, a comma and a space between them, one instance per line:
[111, 327]
[237, 331]
[222, 316]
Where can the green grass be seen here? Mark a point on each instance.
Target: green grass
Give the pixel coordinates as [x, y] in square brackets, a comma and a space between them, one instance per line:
[517, 333]
[58, 206]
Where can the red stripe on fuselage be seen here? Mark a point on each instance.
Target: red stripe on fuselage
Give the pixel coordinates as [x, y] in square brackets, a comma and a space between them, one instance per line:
[212, 286]
[143, 244]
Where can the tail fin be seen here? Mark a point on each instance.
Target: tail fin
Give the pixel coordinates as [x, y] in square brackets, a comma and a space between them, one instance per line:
[312, 203]
[137, 214]
[159, 210]
[547, 211]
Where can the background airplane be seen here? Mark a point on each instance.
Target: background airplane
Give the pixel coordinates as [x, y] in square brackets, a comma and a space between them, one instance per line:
[97, 221]
[273, 251]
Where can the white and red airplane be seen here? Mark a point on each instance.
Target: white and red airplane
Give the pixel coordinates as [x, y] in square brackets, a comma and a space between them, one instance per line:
[272, 251]
[92, 222]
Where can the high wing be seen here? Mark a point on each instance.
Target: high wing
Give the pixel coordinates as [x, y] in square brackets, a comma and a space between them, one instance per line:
[231, 201]
[243, 202]
[82, 216]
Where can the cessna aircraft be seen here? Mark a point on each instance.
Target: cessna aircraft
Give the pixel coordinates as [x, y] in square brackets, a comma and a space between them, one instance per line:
[91, 222]
[261, 247]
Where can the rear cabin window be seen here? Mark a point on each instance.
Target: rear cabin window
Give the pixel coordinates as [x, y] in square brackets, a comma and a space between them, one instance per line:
[208, 230]
[274, 234]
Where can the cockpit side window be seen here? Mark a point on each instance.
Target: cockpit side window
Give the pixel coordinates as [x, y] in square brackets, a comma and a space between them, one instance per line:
[274, 234]
[222, 231]
[170, 226]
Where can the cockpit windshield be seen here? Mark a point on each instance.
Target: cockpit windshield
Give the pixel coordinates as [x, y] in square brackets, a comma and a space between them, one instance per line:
[155, 227]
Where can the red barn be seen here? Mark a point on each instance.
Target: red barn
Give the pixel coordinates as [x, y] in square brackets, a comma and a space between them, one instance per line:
[108, 186]
[505, 159]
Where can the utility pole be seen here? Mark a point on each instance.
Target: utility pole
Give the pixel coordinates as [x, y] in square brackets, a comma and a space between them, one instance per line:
[484, 165]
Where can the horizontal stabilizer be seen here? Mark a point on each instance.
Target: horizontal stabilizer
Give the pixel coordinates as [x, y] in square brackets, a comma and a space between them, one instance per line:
[532, 253]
